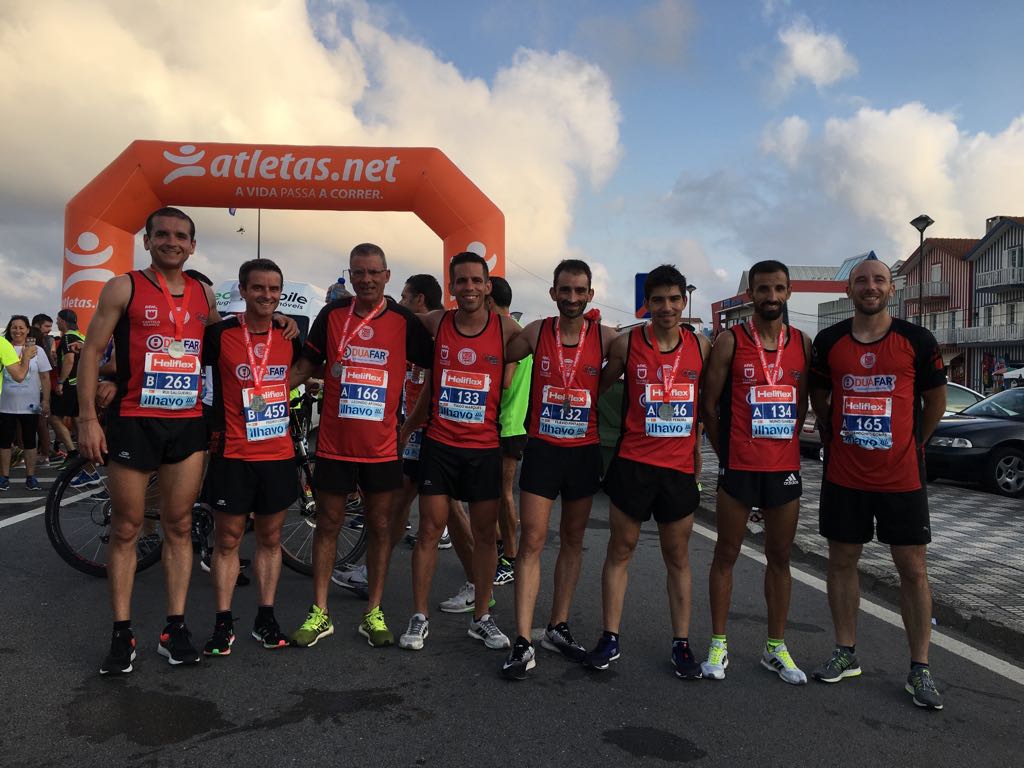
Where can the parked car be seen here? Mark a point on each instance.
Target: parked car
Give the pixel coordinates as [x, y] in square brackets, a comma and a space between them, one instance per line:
[959, 397]
[984, 443]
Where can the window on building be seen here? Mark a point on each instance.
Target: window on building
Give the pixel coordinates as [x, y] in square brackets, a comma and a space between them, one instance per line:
[952, 319]
[1011, 314]
[932, 321]
[1014, 257]
[935, 274]
[986, 315]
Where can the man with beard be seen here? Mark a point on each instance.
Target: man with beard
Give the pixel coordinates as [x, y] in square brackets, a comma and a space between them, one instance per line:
[888, 391]
[562, 456]
[755, 395]
[461, 453]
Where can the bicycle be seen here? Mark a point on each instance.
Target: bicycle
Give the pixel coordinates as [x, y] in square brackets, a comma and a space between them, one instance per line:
[78, 519]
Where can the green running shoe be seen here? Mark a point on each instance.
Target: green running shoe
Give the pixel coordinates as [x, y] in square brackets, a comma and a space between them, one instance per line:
[921, 686]
[317, 625]
[375, 630]
[840, 664]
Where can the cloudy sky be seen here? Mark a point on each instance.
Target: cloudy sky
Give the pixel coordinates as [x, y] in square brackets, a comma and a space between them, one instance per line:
[705, 134]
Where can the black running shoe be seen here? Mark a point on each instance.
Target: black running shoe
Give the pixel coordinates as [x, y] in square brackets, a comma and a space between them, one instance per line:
[122, 654]
[559, 638]
[269, 633]
[176, 645]
[520, 659]
[220, 641]
[685, 664]
[605, 652]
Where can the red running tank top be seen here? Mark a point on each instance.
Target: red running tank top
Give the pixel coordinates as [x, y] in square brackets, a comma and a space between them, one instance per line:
[758, 428]
[467, 380]
[150, 382]
[647, 435]
[557, 415]
[250, 434]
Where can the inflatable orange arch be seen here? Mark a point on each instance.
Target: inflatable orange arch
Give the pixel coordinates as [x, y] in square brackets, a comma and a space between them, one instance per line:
[101, 221]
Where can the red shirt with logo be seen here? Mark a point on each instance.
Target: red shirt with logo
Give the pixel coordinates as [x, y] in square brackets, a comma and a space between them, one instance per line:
[467, 379]
[650, 435]
[757, 418]
[363, 384]
[875, 411]
[150, 382]
[249, 433]
[559, 414]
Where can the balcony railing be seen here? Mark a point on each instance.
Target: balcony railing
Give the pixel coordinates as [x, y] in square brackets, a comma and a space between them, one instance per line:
[947, 335]
[988, 334]
[938, 289]
[1004, 279]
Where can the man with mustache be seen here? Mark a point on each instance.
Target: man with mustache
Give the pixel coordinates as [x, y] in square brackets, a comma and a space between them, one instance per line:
[754, 398]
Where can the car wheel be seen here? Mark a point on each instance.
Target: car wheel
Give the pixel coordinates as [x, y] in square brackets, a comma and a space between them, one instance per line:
[1005, 474]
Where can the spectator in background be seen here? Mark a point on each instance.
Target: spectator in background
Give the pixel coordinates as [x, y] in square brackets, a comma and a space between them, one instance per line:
[40, 331]
[21, 402]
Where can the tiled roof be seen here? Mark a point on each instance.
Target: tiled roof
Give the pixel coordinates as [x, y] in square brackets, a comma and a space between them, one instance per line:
[958, 247]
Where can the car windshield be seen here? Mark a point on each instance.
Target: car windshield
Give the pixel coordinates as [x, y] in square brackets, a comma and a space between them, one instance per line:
[1008, 404]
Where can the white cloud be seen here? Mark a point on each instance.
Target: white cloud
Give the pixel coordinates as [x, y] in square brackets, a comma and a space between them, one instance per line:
[807, 54]
[786, 139]
[266, 71]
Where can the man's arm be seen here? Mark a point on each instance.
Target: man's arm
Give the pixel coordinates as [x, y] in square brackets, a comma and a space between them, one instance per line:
[715, 374]
[418, 414]
[301, 370]
[616, 362]
[112, 304]
[801, 396]
[934, 407]
[522, 343]
[19, 369]
[213, 316]
[608, 337]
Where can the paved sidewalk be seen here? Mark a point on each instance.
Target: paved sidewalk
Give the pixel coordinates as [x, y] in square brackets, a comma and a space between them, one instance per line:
[975, 560]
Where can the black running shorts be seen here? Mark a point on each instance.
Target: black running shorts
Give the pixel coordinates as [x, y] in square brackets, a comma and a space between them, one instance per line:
[513, 447]
[262, 487]
[147, 443]
[764, 490]
[644, 490]
[344, 477]
[851, 516]
[468, 474]
[552, 470]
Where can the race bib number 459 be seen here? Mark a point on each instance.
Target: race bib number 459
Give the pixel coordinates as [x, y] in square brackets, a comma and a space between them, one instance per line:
[171, 383]
[773, 411]
[463, 396]
[363, 393]
[272, 420]
[867, 422]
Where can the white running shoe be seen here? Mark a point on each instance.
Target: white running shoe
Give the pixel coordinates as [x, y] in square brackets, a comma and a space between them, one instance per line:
[780, 662]
[463, 602]
[485, 629]
[417, 632]
[718, 660]
[352, 578]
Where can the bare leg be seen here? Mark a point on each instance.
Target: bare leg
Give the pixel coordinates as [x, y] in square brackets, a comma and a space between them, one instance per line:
[780, 528]
[267, 559]
[731, 522]
[915, 598]
[508, 519]
[228, 530]
[572, 527]
[625, 532]
[179, 487]
[483, 517]
[462, 536]
[330, 514]
[378, 549]
[433, 514]
[533, 533]
[844, 590]
[675, 549]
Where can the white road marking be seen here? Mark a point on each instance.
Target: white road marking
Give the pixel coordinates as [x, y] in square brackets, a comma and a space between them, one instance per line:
[39, 510]
[969, 652]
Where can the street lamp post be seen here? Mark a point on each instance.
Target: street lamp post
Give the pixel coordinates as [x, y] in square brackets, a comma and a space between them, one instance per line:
[921, 223]
[689, 305]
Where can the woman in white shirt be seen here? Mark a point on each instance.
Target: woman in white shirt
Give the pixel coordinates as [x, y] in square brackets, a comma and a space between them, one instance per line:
[21, 402]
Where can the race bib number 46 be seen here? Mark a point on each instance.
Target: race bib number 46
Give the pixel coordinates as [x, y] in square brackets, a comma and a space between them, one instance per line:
[272, 420]
[463, 396]
[773, 411]
[564, 413]
[867, 422]
[171, 383]
[363, 393]
[657, 421]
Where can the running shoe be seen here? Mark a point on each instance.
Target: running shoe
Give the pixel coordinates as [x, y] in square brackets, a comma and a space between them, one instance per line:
[84, 478]
[17, 457]
[350, 578]
[220, 641]
[269, 634]
[840, 664]
[684, 662]
[445, 542]
[410, 540]
[781, 663]
[417, 631]
[605, 652]
[520, 660]
[375, 630]
[32, 484]
[317, 625]
[176, 645]
[718, 660]
[559, 638]
[463, 602]
[122, 653]
[5, 483]
[485, 629]
[147, 543]
[355, 522]
[505, 574]
[921, 686]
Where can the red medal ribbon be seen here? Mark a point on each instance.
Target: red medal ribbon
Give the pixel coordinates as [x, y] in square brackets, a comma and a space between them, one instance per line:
[567, 378]
[771, 378]
[257, 372]
[346, 336]
[671, 378]
[177, 313]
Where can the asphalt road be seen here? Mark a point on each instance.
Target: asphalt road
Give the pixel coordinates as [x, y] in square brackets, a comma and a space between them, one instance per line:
[345, 703]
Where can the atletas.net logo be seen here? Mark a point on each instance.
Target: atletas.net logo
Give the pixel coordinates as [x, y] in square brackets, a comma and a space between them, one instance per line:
[192, 161]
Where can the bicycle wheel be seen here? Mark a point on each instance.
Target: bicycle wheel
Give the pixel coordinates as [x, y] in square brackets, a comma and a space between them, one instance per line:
[300, 525]
[78, 522]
